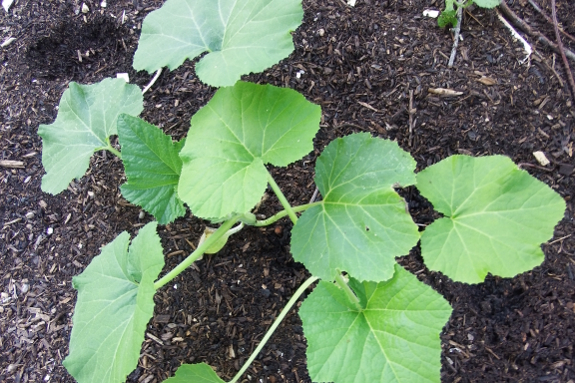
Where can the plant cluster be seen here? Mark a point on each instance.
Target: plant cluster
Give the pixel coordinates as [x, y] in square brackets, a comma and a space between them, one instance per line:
[367, 319]
[453, 8]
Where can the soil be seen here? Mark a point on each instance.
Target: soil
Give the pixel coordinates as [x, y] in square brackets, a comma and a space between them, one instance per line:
[363, 65]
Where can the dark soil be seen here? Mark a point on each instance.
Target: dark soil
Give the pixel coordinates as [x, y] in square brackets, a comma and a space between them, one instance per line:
[361, 65]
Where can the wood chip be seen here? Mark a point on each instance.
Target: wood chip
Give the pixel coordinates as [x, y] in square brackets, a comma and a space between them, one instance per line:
[444, 92]
[12, 164]
[541, 158]
[487, 80]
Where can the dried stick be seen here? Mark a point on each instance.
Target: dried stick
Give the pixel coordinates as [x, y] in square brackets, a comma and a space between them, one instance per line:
[549, 20]
[456, 41]
[527, 29]
[562, 49]
[411, 112]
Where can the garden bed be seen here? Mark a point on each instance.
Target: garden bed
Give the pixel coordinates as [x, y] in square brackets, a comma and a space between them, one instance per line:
[364, 66]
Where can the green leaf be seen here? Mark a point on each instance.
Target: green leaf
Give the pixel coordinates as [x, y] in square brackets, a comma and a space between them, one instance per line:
[115, 303]
[86, 119]
[153, 167]
[487, 3]
[496, 217]
[446, 18]
[194, 373]
[240, 130]
[239, 36]
[395, 338]
[362, 223]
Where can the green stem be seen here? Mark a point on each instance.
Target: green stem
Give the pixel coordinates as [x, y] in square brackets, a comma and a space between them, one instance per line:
[113, 150]
[274, 326]
[340, 281]
[227, 225]
[283, 213]
[282, 198]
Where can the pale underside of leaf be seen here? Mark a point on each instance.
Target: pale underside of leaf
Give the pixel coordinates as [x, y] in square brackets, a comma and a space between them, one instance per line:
[395, 338]
[239, 36]
[233, 137]
[153, 167]
[496, 218]
[194, 373]
[115, 303]
[86, 119]
[362, 223]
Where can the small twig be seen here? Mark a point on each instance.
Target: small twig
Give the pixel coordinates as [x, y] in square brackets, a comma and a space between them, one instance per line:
[562, 49]
[411, 113]
[147, 87]
[549, 20]
[526, 46]
[456, 41]
[530, 31]
[314, 195]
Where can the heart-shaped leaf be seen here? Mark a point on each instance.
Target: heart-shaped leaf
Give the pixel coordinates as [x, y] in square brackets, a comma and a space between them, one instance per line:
[86, 119]
[115, 303]
[240, 130]
[394, 338]
[496, 217]
[362, 223]
[153, 167]
[239, 36]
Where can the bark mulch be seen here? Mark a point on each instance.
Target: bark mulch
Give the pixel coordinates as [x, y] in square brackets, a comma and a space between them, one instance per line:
[363, 65]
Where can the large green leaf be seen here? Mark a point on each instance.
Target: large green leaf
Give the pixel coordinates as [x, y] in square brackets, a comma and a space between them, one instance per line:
[362, 223]
[86, 119]
[240, 130]
[153, 167]
[239, 36]
[394, 338]
[115, 303]
[194, 373]
[487, 3]
[496, 217]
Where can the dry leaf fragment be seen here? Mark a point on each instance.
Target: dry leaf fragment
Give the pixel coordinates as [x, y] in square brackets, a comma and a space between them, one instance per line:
[487, 80]
[541, 158]
[444, 92]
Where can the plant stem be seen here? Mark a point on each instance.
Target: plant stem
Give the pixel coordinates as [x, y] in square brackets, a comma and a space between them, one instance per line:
[282, 198]
[274, 326]
[456, 40]
[283, 213]
[342, 284]
[227, 225]
[112, 150]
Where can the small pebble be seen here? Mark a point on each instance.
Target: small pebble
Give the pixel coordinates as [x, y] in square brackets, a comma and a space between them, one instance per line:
[85, 8]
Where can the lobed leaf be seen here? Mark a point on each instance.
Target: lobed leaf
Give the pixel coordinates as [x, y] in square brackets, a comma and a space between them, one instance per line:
[86, 119]
[240, 130]
[153, 165]
[115, 303]
[194, 373]
[239, 36]
[394, 338]
[362, 223]
[496, 217]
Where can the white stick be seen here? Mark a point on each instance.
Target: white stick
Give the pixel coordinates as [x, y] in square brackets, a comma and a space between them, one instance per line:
[526, 46]
[147, 87]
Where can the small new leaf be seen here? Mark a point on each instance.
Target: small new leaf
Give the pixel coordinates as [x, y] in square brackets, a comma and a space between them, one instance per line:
[115, 303]
[394, 338]
[362, 223]
[86, 119]
[495, 217]
[239, 36]
[153, 167]
[240, 130]
[194, 373]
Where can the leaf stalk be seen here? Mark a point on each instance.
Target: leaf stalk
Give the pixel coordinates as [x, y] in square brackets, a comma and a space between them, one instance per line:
[283, 213]
[196, 254]
[274, 326]
[282, 198]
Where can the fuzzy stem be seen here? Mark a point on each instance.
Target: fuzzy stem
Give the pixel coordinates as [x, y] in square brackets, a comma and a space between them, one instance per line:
[274, 326]
[283, 213]
[342, 284]
[282, 198]
[196, 253]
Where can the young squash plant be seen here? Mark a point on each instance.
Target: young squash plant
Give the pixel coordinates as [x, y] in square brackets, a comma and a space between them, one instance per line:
[367, 319]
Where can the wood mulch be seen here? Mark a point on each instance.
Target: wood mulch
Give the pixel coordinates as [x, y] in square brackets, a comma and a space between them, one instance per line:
[364, 66]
